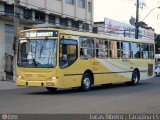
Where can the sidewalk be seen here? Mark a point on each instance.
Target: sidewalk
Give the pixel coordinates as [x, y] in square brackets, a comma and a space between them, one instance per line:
[6, 85]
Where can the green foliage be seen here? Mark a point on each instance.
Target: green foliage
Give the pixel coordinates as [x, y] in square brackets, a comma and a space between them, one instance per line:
[144, 25]
[157, 44]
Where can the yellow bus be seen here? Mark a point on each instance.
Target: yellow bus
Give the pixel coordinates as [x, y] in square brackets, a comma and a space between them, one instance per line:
[59, 58]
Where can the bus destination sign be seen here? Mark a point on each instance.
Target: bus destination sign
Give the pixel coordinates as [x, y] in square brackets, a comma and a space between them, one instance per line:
[40, 33]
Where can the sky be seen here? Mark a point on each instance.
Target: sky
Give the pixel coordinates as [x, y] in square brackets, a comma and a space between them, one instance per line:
[122, 10]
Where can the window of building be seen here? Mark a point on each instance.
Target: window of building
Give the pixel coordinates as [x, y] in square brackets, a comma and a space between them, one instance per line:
[52, 19]
[86, 47]
[71, 2]
[85, 27]
[39, 16]
[27, 14]
[145, 51]
[151, 52]
[81, 3]
[63, 21]
[74, 24]
[101, 48]
[26, 28]
[135, 48]
[68, 52]
[114, 48]
[9, 10]
[125, 50]
[89, 7]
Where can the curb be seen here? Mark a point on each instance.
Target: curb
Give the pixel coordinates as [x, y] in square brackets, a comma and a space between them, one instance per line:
[7, 84]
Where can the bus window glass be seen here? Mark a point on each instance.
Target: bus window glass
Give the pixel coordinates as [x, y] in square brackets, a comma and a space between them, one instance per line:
[145, 51]
[135, 48]
[37, 53]
[86, 47]
[125, 49]
[101, 48]
[68, 52]
[114, 49]
[151, 52]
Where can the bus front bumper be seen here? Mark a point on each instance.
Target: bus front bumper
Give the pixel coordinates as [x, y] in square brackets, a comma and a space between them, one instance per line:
[20, 82]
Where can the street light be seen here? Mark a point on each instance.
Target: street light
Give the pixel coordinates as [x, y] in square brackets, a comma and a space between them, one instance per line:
[150, 12]
[137, 18]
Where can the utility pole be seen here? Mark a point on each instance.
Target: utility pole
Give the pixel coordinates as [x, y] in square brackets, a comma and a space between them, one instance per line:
[16, 31]
[137, 20]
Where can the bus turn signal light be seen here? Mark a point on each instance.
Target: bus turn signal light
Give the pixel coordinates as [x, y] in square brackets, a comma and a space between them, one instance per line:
[52, 78]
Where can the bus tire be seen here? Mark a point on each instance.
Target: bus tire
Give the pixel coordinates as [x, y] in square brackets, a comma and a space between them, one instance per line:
[155, 73]
[86, 82]
[50, 89]
[135, 78]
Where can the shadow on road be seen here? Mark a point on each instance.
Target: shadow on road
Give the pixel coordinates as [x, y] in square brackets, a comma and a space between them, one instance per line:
[157, 76]
[108, 87]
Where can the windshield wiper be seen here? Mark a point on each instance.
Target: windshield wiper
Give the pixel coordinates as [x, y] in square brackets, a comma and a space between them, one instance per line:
[41, 51]
[35, 63]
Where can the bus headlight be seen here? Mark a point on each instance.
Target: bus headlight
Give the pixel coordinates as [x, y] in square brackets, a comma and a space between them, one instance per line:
[19, 77]
[52, 78]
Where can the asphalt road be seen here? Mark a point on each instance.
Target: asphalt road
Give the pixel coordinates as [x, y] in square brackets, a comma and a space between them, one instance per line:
[143, 98]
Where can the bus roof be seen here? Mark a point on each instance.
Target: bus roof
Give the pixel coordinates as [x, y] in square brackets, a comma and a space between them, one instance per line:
[95, 35]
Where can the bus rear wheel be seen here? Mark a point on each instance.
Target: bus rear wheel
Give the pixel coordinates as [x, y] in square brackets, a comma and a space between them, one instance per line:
[86, 82]
[52, 90]
[155, 73]
[135, 78]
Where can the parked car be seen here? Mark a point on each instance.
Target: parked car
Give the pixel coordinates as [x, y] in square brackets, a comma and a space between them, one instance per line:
[157, 69]
[157, 61]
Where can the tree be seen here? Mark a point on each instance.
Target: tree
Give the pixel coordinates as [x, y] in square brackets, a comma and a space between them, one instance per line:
[145, 26]
[141, 24]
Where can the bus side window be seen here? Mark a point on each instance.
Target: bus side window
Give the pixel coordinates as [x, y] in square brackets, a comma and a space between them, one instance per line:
[135, 50]
[114, 48]
[125, 50]
[68, 52]
[86, 47]
[151, 52]
[145, 51]
[101, 48]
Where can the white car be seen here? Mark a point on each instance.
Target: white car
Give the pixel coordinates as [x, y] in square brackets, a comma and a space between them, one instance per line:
[157, 69]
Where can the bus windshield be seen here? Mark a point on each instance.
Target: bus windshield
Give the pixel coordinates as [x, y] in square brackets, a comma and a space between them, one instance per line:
[37, 53]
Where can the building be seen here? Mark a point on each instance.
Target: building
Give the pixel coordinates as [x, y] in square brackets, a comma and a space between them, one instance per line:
[99, 27]
[70, 14]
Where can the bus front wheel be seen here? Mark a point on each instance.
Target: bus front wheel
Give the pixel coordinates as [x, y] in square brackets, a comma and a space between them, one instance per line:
[86, 82]
[52, 90]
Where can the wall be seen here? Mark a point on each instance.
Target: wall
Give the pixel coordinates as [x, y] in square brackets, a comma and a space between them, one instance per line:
[54, 5]
[2, 51]
[58, 7]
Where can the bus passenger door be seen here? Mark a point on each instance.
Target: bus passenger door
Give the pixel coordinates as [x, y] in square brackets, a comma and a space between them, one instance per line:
[68, 55]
